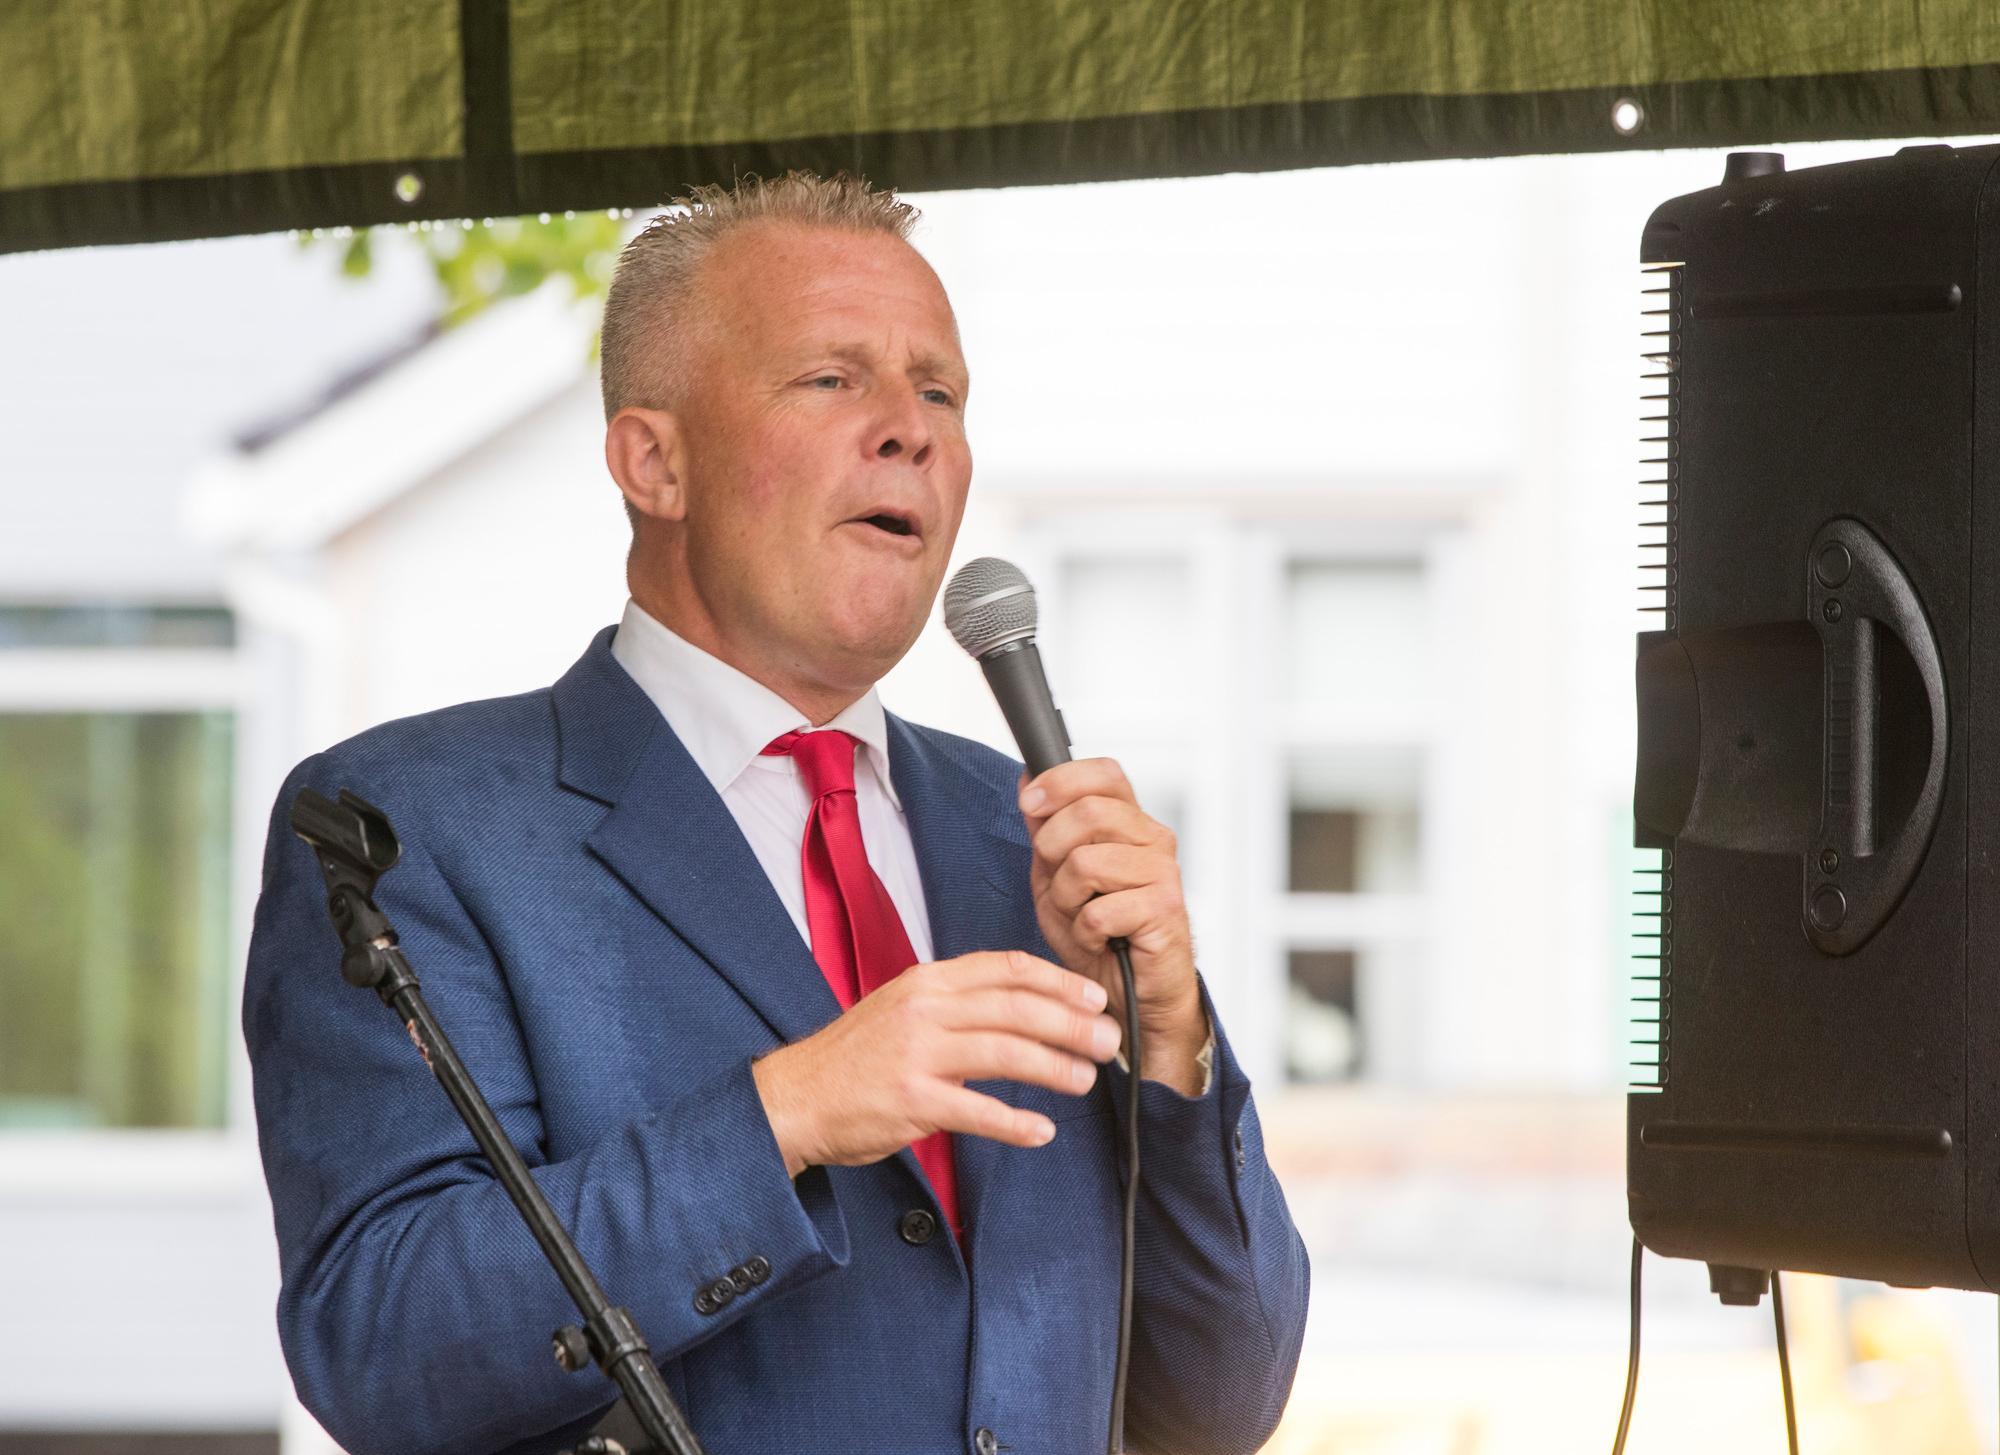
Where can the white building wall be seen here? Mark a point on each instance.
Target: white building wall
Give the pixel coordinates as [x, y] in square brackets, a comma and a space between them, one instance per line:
[489, 578]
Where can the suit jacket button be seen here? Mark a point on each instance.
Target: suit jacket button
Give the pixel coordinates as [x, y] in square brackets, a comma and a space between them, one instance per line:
[721, 1291]
[740, 1279]
[916, 1227]
[759, 1268]
[703, 1304]
[985, 1441]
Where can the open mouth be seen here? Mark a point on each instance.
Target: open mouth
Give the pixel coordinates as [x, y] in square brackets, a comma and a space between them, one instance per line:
[895, 525]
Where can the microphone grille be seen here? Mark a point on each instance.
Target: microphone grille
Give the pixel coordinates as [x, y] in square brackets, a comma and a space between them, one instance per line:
[988, 604]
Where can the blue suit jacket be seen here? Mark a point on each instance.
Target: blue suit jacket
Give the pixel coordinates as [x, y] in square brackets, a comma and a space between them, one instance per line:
[600, 943]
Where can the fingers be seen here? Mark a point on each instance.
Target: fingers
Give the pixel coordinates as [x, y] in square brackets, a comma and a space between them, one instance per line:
[1130, 914]
[1065, 783]
[1013, 969]
[1001, 1055]
[892, 1068]
[1097, 820]
[974, 1113]
[1097, 869]
[1010, 1014]
[1063, 1025]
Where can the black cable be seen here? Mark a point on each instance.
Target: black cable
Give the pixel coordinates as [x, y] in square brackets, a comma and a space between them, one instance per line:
[1124, 953]
[1784, 1364]
[1632, 1365]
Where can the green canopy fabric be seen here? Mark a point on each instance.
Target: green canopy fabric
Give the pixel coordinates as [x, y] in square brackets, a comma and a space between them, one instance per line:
[139, 120]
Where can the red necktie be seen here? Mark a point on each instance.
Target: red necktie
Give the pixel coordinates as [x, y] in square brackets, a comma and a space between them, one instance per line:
[857, 936]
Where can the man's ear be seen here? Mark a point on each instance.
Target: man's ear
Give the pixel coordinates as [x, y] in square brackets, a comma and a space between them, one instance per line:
[646, 455]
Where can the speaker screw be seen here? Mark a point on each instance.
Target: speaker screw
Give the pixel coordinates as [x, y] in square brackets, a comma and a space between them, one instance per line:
[1828, 861]
[1828, 909]
[1831, 611]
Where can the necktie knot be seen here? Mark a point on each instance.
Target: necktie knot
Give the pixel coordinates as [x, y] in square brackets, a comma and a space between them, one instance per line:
[825, 759]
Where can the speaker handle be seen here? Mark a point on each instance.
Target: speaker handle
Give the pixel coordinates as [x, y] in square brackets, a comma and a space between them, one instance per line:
[1852, 881]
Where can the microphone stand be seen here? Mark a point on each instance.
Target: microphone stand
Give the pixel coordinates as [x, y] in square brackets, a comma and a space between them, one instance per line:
[356, 846]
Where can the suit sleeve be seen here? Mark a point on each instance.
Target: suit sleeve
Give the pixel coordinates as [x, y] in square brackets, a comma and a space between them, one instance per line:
[1220, 1282]
[415, 1310]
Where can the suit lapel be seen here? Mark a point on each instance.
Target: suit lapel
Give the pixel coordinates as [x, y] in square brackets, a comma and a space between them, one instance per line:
[672, 841]
[973, 860]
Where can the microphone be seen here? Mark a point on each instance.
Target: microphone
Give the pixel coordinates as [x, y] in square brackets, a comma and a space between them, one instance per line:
[989, 608]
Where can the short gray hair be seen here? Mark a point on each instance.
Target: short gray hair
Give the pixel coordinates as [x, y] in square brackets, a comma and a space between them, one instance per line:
[647, 314]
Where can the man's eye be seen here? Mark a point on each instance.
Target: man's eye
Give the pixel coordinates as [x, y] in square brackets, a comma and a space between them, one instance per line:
[939, 396]
[827, 381]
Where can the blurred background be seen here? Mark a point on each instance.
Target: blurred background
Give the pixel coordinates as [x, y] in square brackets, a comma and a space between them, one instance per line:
[1328, 481]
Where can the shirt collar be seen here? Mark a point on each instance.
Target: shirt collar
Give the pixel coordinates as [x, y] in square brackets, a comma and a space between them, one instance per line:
[723, 717]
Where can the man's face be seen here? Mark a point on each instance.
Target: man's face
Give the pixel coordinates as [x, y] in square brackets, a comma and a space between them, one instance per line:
[826, 459]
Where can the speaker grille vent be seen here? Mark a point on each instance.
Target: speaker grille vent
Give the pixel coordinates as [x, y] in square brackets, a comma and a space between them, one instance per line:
[1662, 312]
[1652, 955]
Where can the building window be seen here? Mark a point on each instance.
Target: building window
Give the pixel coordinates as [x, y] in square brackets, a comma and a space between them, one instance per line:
[1357, 640]
[115, 822]
[107, 626]
[1269, 690]
[1352, 819]
[1323, 1039]
[1352, 693]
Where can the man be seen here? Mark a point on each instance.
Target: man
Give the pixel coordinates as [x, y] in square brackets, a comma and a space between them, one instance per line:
[801, 1013]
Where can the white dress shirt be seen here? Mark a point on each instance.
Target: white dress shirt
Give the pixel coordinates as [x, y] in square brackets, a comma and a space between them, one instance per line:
[725, 719]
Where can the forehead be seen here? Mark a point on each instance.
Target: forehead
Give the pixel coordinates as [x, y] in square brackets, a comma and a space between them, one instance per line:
[779, 285]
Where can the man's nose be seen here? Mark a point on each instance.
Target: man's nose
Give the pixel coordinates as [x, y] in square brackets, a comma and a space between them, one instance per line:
[901, 430]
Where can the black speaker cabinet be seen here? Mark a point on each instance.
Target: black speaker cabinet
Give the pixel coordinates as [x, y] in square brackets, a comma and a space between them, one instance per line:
[1819, 722]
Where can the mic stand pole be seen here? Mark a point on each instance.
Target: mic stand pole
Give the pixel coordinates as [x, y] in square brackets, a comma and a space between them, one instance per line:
[356, 846]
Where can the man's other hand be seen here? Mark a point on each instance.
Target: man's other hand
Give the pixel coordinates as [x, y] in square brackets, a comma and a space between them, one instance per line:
[893, 1068]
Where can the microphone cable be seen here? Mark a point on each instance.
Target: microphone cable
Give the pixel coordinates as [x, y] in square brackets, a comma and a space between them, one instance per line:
[1632, 1364]
[1130, 1240]
[1784, 1364]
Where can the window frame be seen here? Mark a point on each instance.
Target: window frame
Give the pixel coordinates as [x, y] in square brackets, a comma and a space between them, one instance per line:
[86, 679]
[1391, 1010]
[1238, 746]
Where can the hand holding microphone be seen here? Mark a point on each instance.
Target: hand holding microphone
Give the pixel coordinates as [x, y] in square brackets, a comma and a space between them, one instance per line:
[1104, 869]
[1106, 884]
